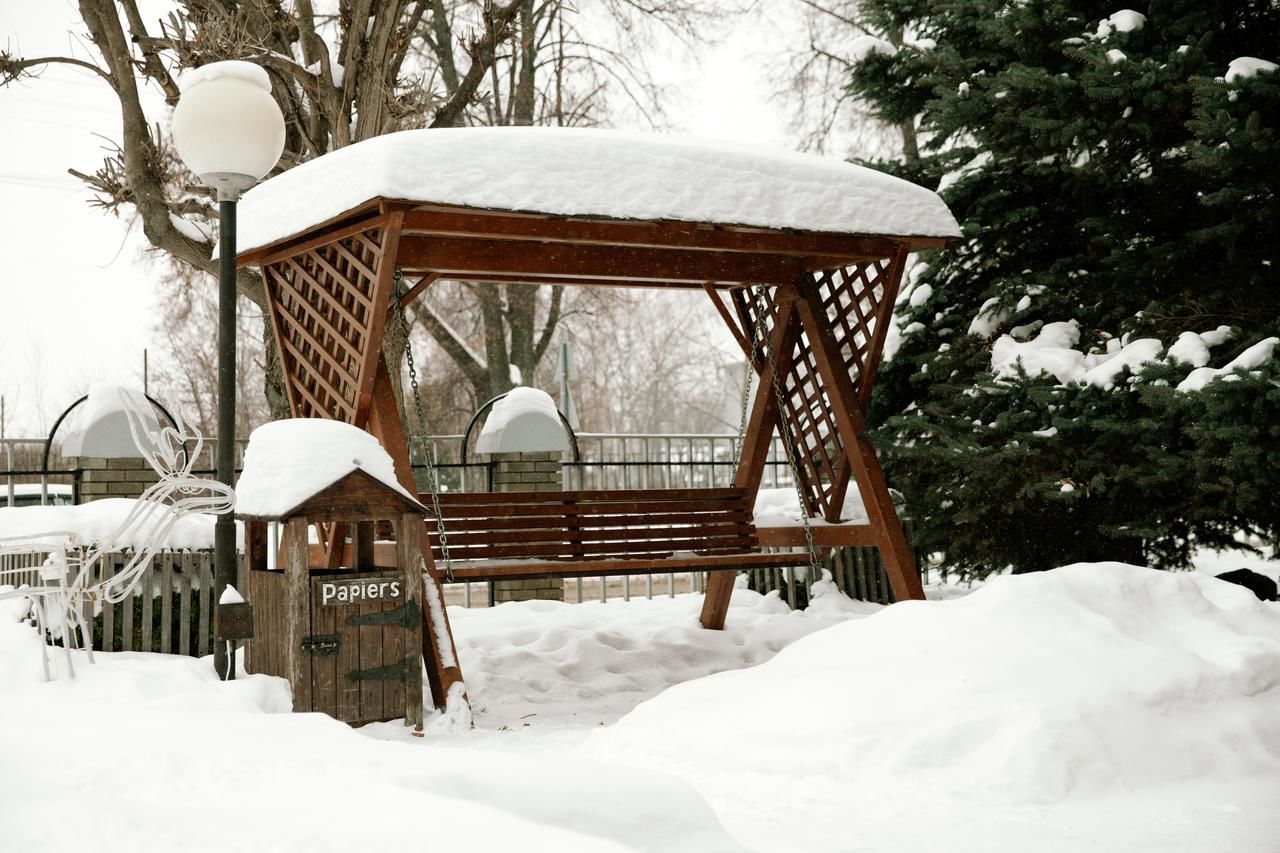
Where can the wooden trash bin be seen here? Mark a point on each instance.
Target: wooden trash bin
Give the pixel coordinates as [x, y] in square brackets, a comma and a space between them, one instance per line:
[348, 639]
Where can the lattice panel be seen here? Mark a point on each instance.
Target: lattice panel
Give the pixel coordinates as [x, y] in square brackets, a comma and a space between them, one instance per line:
[854, 299]
[325, 303]
[856, 302]
[806, 409]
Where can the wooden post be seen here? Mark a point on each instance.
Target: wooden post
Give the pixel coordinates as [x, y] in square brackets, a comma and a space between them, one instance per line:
[408, 553]
[438, 651]
[297, 611]
[755, 450]
[895, 552]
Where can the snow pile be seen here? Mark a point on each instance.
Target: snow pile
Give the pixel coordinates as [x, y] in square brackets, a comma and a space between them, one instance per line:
[863, 46]
[526, 420]
[1088, 679]
[781, 507]
[288, 461]
[1053, 351]
[100, 521]
[548, 663]
[1252, 358]
[1124, 21]
[172, 739]
[1193, 348]
[1245, 67]
[586, 172]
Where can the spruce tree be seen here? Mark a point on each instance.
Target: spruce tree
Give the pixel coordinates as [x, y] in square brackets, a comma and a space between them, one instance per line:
[1115, 188]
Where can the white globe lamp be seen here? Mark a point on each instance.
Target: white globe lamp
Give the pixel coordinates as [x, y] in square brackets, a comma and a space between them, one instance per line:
[227, 127]
[230, 132]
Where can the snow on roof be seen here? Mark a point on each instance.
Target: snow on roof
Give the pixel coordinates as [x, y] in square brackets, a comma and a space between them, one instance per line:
[288, 461]
[526, 420]
[588, 172]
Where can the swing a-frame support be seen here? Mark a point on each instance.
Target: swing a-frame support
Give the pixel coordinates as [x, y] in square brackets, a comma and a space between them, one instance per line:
[820, 301]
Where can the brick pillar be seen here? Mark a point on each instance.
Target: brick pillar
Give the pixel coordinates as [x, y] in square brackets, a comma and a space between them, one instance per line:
[527, 472]
[112, 478]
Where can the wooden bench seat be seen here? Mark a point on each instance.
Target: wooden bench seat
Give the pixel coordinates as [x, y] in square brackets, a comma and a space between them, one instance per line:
[513, 535]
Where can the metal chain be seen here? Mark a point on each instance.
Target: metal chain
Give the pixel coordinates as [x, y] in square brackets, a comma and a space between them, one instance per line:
[433, 481]
[785, 430]
[757, 328]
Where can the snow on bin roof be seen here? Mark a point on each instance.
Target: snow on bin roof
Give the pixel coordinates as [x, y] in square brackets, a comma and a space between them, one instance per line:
[289, 461]
[599, 173]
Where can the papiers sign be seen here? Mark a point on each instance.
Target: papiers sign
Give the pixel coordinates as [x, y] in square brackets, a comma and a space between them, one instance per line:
[361, 590]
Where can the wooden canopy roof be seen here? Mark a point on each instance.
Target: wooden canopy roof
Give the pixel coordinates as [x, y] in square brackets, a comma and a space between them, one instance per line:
[442, 241]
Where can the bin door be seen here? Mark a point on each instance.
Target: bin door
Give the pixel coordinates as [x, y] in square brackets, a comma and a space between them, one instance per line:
[367, 645]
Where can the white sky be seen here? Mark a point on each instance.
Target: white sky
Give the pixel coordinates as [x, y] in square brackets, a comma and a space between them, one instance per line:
[76, 292]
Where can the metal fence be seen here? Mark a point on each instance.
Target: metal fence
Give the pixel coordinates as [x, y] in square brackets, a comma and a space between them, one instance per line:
[604, 461]
[25, 479]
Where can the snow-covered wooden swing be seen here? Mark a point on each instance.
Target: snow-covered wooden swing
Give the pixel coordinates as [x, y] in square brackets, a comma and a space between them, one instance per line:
[802, 257]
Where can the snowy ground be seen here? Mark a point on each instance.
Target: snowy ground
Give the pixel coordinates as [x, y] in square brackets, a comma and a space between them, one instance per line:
[1092, 708]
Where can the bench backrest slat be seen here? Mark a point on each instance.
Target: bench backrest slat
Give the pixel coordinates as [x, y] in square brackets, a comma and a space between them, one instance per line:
[630, 524]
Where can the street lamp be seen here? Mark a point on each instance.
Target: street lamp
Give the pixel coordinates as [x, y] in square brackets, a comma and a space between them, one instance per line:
[230, 132]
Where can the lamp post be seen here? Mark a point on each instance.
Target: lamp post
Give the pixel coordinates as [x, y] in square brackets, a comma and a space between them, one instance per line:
[228, 131]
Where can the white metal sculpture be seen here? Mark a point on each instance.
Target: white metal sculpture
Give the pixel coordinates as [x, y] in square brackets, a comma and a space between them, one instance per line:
[74, 584]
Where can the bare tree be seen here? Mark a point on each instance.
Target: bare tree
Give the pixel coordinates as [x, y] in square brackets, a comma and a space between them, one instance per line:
[339, 78]
[814, 82]
[351, 72]
[185, 367]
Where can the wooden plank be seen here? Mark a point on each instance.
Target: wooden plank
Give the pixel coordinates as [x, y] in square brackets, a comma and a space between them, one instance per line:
[627, 508]
[587, 498]
[326, 670]
[495, 534]
[383, 291]
[371, 655]
[884, 317]
[166, 601]
[824, 536]
[184, 605]
[126, 622]
[596, 549]
[451, 256]
[108, 569]
[464, 526]
[336, 228]
[297, 613]
[588, 232]
[147, 585]
[206, 599]
[520, 569]
[409, 549]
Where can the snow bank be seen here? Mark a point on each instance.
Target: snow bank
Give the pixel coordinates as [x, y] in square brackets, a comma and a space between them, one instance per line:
[100, 521]
[174, 739]
[288, 461]
[1086, 679]
[586, 172]
[540, 663]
